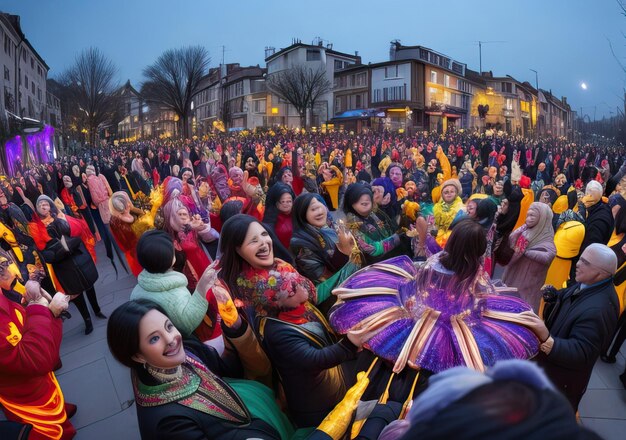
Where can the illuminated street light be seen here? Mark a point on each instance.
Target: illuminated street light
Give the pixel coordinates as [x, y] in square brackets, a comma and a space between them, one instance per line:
[583, 85]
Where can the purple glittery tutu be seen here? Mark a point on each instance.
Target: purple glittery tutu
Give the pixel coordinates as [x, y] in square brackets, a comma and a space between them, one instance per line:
[423, 317]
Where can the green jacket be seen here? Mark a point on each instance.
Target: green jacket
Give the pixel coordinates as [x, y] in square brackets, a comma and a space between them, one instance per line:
[169, 290]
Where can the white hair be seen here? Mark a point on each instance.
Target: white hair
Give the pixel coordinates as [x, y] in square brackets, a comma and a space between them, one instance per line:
[594, 187]
[603, 257]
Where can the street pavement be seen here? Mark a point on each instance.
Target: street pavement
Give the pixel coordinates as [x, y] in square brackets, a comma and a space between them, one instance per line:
[101, 387]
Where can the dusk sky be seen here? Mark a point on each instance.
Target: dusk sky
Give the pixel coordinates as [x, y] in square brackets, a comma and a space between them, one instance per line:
[566, 41]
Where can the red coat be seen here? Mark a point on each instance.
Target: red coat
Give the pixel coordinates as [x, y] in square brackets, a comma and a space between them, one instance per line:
[29, 350]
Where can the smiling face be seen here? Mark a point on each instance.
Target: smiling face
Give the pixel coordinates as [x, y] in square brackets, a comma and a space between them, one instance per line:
[285, 203]
[316, 214]
[160, 343]
[448, 194]
[257, 248]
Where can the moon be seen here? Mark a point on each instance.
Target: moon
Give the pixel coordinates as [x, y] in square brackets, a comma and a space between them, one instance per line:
[583, 85]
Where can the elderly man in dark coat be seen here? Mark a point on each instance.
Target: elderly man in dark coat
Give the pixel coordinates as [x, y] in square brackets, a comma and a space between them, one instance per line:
[580, 324]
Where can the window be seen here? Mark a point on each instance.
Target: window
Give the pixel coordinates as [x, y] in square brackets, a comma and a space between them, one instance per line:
[313, 55]
[465, 102]
[433, 76]
[337, 105]
[525, 106]
[361, 79]
[7, 74]
[446, 80]
[507, 87]
[32, 88]
[338, 63]
[396, 93]
[463, 86]
[508, 103]
[357, 101]
[26, 81]
[7, 45]
[259, 106]
[432, 91]
[32, 63]
[38, 93]
[24, 55]
[447, 97]
[391, 71]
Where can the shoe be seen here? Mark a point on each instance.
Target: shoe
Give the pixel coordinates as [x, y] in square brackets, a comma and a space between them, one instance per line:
[70, 410]
[88, 327]
[608, 359]
[101, 315]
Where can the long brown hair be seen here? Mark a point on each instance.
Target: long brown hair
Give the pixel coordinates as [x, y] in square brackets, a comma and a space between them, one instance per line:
[464, 249]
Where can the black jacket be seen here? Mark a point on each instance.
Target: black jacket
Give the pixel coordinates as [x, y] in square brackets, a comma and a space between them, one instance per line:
[598, 225]
[582, 324]
[309, 368]
[74, 268]
[175, 421]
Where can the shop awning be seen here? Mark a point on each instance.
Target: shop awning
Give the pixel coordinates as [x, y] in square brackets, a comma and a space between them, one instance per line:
[359, 114]
[451, 115]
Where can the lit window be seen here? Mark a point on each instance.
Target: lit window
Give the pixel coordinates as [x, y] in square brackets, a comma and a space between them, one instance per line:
[433, 76]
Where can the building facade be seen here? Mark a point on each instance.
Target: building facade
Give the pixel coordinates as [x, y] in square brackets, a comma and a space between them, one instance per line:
[317, 57]
[24, 72]
[447, 93]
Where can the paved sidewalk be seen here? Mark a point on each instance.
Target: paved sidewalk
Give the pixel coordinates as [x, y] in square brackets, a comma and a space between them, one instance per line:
[101, 387]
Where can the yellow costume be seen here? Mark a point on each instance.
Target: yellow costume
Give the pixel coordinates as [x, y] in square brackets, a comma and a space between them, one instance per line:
[567, 239]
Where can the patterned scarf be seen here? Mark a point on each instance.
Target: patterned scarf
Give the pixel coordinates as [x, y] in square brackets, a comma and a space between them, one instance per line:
[260, 290]
[198, 388]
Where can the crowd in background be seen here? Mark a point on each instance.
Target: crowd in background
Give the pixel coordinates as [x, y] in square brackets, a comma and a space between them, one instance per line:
[286, 278]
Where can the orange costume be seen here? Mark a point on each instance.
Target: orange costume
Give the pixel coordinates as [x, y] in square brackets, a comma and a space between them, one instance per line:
[29, 349]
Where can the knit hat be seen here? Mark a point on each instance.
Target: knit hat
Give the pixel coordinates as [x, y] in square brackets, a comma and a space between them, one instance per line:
[155, 251]
[90, 170]
[455, 183]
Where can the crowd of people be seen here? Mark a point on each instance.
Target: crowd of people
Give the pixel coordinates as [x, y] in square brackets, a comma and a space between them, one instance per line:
[322, 285]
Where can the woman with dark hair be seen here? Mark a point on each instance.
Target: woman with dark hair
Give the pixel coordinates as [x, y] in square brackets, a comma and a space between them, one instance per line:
[374, 237]
[322, 254]
[278, 206]
[296, 337]
[67, 245]
[158, 282]
[442, 314]
[180, 386]
[236, 206]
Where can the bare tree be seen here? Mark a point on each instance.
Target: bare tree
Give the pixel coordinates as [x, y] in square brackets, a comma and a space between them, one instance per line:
[91, 90]
[301, 87]
[173, 79]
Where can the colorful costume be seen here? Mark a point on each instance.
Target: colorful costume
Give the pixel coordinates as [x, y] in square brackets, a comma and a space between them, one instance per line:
[29, 350]
[425, 318]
